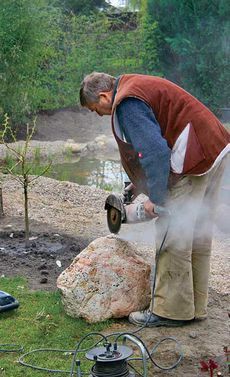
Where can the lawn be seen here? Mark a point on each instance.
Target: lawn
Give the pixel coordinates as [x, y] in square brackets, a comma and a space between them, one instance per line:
[39, 322]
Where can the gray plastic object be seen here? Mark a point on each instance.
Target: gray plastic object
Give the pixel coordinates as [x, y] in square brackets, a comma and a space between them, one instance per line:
[7, 302]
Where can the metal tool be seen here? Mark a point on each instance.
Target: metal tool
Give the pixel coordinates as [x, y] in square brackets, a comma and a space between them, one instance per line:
[120, 209]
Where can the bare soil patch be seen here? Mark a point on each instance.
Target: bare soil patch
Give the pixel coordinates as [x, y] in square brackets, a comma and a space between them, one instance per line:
[64, 219]
[41, 263]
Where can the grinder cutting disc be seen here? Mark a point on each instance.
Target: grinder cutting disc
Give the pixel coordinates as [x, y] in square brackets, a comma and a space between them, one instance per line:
[114, 219]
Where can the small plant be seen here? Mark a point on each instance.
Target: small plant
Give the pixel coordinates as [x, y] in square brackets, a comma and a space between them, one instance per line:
[68, 153]
[1, 197]
[45, 322]
[21, 168]
[37, 155]
[209, 366]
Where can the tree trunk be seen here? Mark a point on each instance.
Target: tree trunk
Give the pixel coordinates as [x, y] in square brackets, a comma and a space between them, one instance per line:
[1, 203]
[27, 231]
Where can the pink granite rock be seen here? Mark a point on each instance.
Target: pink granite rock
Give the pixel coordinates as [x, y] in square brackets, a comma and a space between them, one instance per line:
[106, 280]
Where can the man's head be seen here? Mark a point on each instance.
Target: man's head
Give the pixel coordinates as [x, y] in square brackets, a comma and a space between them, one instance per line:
[96, 92]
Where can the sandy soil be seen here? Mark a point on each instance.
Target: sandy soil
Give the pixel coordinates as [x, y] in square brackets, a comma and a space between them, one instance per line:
[69, 216]
[81, 125]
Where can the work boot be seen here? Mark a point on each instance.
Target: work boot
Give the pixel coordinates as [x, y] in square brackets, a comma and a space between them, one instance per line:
[152, 320]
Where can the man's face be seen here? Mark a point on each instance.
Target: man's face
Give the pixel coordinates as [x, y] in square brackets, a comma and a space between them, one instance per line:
[104, 105]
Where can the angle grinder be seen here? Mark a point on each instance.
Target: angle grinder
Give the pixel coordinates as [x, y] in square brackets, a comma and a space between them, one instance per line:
[120, 210]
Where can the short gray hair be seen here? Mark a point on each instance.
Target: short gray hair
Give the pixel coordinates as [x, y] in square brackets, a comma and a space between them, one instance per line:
[93, 84]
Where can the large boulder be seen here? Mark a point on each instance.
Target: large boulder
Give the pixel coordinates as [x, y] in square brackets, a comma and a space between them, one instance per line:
[106, 280]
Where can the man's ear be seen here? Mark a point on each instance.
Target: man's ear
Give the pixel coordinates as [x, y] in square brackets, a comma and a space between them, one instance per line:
[106, 96]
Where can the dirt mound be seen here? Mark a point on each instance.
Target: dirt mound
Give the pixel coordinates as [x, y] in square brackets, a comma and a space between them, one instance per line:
[78, 124]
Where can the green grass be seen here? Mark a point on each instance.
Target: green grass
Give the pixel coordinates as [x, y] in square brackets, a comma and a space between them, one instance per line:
[39, 322]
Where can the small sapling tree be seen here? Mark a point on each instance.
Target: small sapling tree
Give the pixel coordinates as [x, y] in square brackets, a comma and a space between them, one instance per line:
[1, 199]
[1, 194]
[22, 166]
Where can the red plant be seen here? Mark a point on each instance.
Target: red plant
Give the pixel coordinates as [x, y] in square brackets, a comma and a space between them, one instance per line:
[208, 366]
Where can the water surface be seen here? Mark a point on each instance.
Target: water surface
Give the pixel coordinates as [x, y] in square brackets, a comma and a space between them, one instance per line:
[105, 174]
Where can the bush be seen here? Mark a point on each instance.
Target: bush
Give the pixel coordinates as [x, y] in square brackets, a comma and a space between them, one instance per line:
[27, 33]
[194, 46]
[46, 53]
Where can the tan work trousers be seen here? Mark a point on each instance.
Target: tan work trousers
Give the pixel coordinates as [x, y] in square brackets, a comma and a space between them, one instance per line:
[183, 266]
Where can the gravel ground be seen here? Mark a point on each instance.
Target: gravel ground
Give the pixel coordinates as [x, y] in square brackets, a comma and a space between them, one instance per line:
[71, 208]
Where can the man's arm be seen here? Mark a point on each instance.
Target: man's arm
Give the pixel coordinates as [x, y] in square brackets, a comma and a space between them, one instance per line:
[140, 127]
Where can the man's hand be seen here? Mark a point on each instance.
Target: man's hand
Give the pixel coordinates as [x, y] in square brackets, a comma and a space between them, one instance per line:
[149, 208]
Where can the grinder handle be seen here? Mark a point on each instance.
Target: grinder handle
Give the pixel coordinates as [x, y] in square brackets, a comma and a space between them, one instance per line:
[130, 192]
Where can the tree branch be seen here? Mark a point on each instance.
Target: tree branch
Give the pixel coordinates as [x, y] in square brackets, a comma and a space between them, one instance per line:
[42, 173]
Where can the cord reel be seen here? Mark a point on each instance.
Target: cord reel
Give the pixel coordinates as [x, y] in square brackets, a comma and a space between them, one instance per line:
[110, 360]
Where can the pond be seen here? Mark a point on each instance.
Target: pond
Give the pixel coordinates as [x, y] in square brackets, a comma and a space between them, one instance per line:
[104, 174]
[107, 174]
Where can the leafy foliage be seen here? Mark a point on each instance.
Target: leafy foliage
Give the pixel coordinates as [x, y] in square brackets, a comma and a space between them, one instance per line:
[193, 46]
[86, 43]
[46, 53]
[26, 32]
[82, 6]
[149, 40]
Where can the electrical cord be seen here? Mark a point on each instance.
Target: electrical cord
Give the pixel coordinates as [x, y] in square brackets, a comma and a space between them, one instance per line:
[17, 348]
[78, 346]
[173, 366]
[158, 252]
[105, 338]
[73, 352]
[22, 362]
[135, 370]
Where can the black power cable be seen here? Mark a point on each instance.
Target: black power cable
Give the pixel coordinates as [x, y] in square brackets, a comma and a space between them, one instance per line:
[173, 366]
[111, 369]
[157, 256]
[22, 362]
[8, 348]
